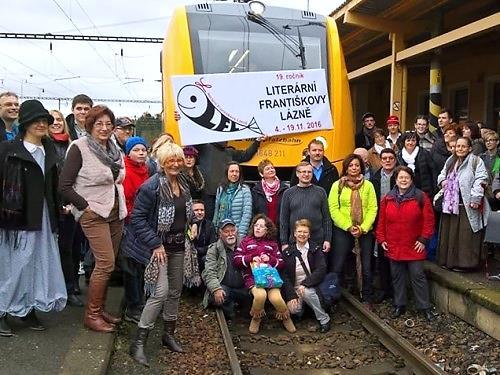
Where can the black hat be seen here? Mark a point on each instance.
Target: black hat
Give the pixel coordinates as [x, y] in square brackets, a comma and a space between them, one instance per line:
[367, 114]
[31, 110]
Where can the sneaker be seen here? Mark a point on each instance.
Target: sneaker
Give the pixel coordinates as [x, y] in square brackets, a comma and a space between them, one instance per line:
[132, 316]
[495, 277]
[81, 271]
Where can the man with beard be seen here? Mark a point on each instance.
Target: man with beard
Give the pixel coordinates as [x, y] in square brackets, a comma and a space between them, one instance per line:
[223, 280]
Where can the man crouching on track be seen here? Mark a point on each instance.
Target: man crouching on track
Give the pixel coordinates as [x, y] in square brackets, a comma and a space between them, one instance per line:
[223, 280]
[305, 269]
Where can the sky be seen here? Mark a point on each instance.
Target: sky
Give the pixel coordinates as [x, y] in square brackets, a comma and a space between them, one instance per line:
[102, 70]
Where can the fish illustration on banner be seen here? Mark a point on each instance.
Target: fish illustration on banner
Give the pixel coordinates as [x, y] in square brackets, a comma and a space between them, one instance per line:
[194, 102]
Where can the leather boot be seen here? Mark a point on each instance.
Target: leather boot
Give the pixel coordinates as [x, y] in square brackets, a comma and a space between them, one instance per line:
[254, 325]
[93, 318]
[5, 330]
[137, 346]
[168, 338]
[106, 315]
[287, 321]
[256, 319]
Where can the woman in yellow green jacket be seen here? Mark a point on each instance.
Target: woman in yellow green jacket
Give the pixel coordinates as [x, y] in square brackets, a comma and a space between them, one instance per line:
[353, 207]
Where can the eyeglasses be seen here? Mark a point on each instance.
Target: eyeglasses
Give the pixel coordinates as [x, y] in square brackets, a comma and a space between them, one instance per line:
[491, 140]
[100, 125]
[126, 130]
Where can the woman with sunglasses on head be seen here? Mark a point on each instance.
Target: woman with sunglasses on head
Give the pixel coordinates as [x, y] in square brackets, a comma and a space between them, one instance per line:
[160, 218]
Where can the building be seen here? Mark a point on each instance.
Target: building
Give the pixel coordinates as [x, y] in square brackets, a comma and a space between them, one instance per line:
[409, 57]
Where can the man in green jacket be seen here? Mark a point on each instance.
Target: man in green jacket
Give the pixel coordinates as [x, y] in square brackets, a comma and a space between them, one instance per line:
[224, 282]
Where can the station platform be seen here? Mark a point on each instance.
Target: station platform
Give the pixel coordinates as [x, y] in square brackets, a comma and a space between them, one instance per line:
[469, 296]
[65, 347]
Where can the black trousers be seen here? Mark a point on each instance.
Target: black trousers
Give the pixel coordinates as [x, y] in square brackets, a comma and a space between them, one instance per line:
[343, 244]
[69, 254]
[418, 281]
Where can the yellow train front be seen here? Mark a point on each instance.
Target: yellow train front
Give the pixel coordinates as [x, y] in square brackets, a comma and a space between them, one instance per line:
[227, 38]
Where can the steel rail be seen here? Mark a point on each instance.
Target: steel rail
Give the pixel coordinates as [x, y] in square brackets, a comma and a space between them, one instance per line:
[228, 343]
[391, 339]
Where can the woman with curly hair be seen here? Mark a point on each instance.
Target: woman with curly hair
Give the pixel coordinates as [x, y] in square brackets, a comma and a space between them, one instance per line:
[260, 246]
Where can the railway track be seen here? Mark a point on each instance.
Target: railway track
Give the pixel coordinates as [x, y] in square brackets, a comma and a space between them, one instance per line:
[358, 343]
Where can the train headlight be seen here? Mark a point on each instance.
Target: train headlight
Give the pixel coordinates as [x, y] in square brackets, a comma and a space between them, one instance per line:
[257, 7]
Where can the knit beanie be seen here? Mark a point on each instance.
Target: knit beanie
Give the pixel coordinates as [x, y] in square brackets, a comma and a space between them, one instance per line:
[134, 141]
[30, 111]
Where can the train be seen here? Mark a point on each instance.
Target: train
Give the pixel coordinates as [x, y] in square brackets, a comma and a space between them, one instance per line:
[234, 37]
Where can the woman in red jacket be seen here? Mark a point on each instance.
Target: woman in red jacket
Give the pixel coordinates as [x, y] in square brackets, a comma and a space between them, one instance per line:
[260, 246]
[405, 225]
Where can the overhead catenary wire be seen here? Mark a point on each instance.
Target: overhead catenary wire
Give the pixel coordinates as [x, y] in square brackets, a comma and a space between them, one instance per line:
[94, 49]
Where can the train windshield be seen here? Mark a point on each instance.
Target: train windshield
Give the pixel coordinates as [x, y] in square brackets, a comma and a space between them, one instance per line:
[234, 44]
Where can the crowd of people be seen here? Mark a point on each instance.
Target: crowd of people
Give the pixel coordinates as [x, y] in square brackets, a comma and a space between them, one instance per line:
[172, 218]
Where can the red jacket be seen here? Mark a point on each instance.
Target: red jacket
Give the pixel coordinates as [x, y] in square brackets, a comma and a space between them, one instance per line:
[251, 247]
[135, 175]
[401, 225]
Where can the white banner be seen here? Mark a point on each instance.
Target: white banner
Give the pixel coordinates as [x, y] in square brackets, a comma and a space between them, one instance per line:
[224, 107]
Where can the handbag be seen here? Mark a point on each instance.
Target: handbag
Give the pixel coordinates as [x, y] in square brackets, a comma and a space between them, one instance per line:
[329, 287]
[266, 276]
[437, 202]
[492, 234]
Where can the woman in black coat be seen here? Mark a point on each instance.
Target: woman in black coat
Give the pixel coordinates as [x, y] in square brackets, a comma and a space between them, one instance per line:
[300, 285]
[419, 161]
[30, 270]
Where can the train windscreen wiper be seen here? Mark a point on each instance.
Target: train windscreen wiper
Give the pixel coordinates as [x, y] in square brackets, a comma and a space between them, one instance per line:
[296, 48]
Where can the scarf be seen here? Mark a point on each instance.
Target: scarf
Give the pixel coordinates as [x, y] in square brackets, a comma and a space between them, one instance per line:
[61, 137]
[368, 134]
[166, 210]
[191, 269]
[109, 156]
[270, 189]
[226, 201]
[409, 194]
[378, 149]
[410, 158]
[151, 277]
[356, 204]
[451, 193]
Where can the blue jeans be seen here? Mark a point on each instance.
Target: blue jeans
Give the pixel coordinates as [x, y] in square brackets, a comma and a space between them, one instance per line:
[233, 295]
[343, 243]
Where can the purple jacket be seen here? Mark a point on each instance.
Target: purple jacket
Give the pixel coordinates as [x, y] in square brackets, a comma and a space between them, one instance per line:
[251, 247]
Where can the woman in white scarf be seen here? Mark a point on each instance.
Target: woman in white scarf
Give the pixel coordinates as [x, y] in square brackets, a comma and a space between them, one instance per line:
[419, 160]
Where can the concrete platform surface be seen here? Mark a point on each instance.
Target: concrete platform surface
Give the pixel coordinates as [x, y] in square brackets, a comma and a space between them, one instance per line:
[65, 347]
